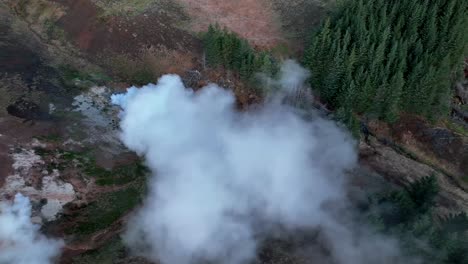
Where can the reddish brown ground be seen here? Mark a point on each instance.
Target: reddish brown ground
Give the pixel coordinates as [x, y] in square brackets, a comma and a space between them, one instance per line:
[15, 133]
[251, 19]
[95, 34]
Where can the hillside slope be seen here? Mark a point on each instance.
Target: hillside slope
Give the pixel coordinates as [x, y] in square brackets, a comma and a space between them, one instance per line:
[59, 141]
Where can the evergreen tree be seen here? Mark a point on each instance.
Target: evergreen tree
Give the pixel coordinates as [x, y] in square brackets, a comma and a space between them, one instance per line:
[226, 49]
[423, 192]
[408, 49]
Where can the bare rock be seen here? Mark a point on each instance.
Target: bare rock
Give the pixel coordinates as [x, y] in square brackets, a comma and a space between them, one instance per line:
[191, 78]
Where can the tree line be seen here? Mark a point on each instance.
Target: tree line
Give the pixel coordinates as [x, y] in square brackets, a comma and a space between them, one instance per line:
[227, 49]
[381, 58]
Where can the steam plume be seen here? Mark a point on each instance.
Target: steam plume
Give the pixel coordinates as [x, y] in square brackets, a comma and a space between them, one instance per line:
[224, 179]
[20, 240]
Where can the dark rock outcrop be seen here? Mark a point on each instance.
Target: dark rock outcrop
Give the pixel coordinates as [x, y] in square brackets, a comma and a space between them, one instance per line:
[27, 110]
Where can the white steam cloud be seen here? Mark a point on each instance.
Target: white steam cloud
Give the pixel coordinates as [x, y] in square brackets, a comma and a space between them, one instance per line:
[223, 179]
[292, 77]
[20, 240]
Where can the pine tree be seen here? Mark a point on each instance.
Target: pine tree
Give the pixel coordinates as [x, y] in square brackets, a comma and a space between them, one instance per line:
[423, 192]
[227, 49]
[393, 95]
[401, 45]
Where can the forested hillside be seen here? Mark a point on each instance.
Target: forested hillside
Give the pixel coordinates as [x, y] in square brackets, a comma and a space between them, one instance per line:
[383, 57]
[287, 132]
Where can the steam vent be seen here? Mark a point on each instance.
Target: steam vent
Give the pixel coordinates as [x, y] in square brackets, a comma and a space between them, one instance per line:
[233, 132]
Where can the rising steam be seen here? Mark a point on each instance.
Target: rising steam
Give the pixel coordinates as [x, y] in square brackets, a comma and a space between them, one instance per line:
[20, 240]
[223, 180]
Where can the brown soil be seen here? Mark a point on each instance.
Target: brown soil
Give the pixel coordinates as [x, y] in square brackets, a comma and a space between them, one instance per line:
[155, 61]
[298, 18]
[436, 144]
[95, 34]
[251, 19]
[418, 144]
[16, 133]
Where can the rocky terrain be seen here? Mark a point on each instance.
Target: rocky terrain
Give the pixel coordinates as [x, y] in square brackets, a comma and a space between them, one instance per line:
[61, 60]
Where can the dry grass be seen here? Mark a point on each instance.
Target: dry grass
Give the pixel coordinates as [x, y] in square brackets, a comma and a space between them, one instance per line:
[41, 17]
[121, 7]
[137, 7]
[298, 17]
[251, 19]
[149, 65]
[411, 145]
[456, 127]
[38, 12]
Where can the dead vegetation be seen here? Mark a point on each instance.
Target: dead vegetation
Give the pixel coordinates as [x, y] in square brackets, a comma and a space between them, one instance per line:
[434, 146]
[252, 19]
[131, 8]
[298, 18]
[41, 17]
[149, 64]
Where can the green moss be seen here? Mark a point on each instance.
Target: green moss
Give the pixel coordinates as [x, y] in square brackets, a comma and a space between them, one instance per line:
[117, 176]
[71, 156]
[457, 128]
[108, 208]
[81, 79]
[49, 138]
[62, 159]
[120, 175]
[108, 254]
